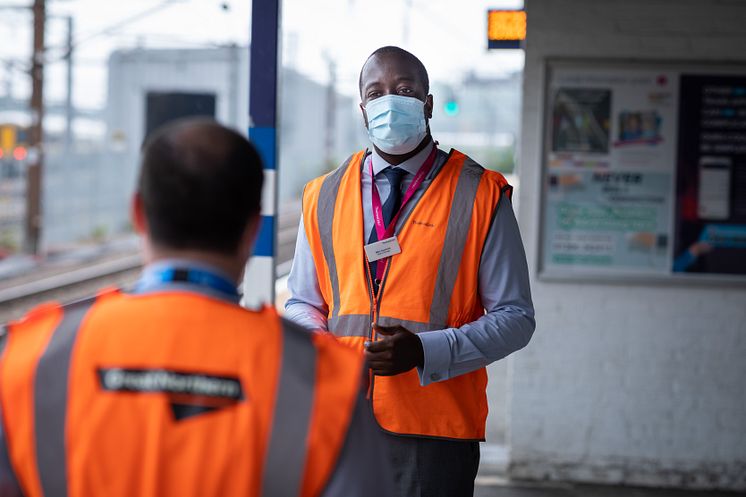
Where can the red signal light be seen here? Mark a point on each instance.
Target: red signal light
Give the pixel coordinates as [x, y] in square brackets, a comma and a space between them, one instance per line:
[20, 153]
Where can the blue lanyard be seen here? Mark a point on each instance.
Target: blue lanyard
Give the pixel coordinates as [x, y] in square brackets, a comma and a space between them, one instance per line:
[157, 277]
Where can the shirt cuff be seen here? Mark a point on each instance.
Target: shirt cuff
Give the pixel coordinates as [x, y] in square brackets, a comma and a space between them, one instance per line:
[437, 356]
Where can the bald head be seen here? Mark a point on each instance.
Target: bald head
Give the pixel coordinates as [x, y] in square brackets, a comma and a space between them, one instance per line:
[200, 185]
[398, 56]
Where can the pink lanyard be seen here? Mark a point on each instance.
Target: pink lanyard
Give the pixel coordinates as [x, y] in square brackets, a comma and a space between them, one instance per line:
[381, 229]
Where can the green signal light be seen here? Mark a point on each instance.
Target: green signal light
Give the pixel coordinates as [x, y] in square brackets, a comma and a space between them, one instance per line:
[451, 108]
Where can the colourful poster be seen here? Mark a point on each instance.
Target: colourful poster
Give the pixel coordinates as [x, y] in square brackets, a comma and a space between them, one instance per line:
[610, 171]
[607, 221]
[711, 181]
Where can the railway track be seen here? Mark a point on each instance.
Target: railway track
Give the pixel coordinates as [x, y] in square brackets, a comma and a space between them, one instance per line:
[67, 283]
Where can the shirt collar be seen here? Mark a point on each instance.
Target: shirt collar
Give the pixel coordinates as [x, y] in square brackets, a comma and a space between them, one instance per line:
[151, 279]
[411, 165]
[162, 264]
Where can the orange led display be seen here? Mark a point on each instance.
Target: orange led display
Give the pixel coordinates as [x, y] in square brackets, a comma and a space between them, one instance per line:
[506, 28]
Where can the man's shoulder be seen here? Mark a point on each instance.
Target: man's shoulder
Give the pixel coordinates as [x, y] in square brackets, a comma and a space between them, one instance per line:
[487, 174]
[35, 315]
[352, 159]
[49, 313]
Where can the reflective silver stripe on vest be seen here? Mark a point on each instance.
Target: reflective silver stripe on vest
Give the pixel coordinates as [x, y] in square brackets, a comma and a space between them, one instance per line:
[3, 338]
[8, 482]
[459, 222]
[350, 325]
[325, 215]
[50, 400]
[413, 326]
[286, 455]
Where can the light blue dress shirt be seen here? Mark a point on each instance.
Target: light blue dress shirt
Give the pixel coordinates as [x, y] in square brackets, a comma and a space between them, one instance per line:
[508, 322]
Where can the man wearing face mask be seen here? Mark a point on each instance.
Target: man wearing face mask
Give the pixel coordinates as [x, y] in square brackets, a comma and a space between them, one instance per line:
[412, 255]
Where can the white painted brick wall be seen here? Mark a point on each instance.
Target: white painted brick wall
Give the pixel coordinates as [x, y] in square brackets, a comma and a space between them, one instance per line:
[637, 384]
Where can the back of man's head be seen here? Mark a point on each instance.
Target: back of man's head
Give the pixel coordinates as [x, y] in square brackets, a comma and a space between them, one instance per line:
[200, 184]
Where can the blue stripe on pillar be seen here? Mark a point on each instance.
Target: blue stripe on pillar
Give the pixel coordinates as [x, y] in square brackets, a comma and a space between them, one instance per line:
[265, 142]
[265, 242]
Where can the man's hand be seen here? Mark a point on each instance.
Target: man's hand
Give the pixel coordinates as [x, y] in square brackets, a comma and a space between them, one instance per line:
[397, 352]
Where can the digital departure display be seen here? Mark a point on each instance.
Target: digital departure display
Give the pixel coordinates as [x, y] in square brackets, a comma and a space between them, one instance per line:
[506, 28]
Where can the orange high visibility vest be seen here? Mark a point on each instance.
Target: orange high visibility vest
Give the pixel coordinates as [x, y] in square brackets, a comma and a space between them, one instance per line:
[172, 394]
[431, 285]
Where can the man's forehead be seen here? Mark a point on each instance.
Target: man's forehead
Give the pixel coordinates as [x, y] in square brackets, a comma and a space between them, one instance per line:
[390, 66]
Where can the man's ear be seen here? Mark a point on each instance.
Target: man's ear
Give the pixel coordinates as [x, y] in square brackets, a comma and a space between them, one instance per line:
[137, 214]
[429, 107]
[365, 116]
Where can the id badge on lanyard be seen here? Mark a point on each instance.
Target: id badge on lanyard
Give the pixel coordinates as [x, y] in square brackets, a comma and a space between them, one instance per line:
[387, 244]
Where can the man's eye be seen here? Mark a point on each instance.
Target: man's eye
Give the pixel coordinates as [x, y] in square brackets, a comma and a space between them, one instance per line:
[405, 91]
[374, 94]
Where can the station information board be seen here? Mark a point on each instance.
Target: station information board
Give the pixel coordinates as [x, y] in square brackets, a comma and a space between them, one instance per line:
[644, 171]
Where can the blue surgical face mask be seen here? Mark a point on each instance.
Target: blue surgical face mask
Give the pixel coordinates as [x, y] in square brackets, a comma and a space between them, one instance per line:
[396, 124]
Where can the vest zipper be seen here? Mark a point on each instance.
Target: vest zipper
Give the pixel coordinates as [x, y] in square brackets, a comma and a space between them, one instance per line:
[380, 287]
[372, 299]
[375, 314]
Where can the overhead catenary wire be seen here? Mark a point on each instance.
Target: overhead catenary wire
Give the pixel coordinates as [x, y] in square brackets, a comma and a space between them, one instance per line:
[111, 29]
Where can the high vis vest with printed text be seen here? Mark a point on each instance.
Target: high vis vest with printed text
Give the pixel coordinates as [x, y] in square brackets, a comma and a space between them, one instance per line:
[171, 394]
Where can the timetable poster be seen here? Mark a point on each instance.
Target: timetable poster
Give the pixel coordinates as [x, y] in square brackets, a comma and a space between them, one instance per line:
[710, 231]
[610, 165]
[605, 219]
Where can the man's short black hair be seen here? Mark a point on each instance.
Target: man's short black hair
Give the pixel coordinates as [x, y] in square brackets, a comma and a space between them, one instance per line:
[398, 52]
[200, 184]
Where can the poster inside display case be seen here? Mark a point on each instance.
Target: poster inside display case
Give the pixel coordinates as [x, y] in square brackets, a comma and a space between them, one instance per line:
[644, 170]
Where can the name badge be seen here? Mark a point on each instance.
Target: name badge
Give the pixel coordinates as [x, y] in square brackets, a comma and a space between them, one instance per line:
[382, 249]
